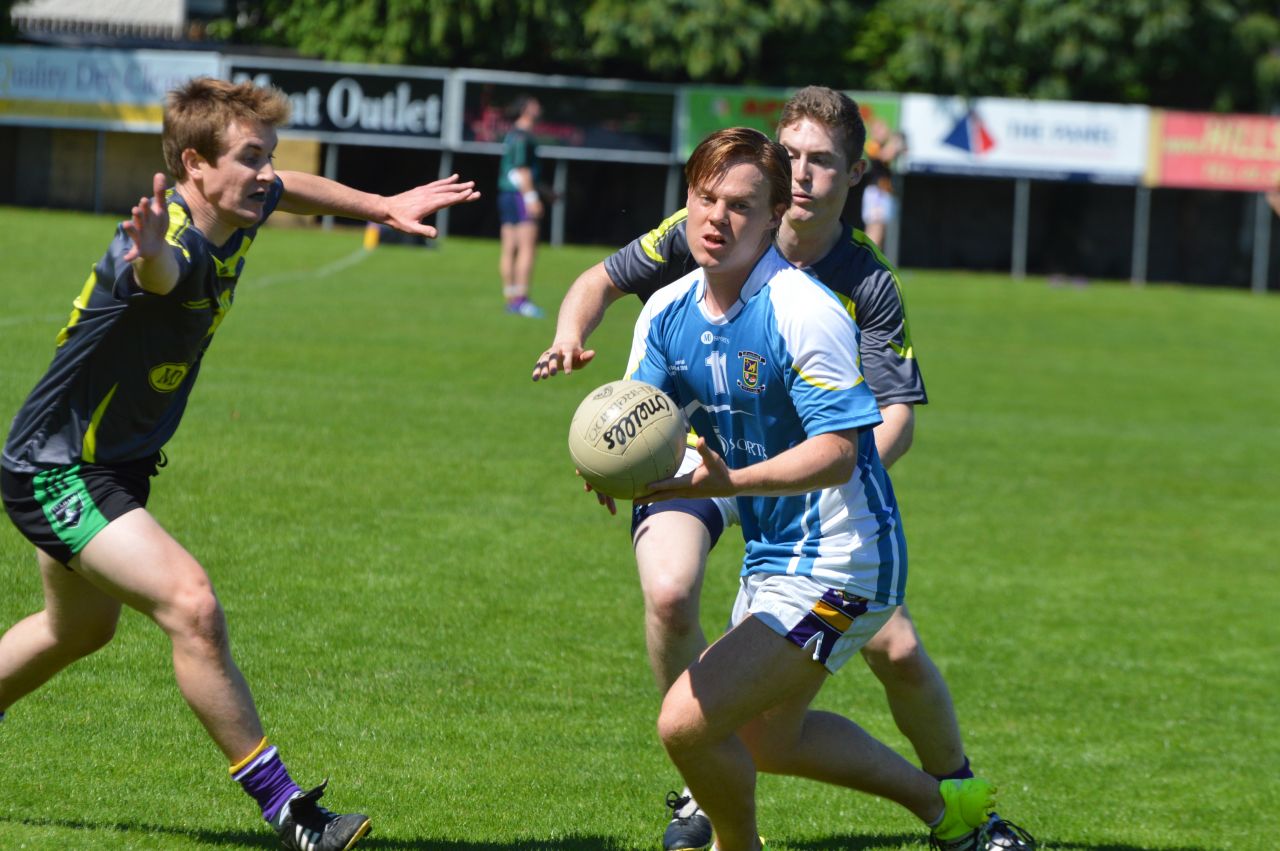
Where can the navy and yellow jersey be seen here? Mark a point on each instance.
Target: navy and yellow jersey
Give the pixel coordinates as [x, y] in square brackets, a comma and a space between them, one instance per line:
[127, 359]
[518, 151]
[854, 270]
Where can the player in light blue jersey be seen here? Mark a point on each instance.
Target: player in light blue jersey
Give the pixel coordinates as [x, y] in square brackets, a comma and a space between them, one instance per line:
[824, 134]
[777, 366]
[763, 360]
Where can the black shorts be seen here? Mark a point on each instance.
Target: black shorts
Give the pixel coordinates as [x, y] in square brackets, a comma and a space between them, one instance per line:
[703, 509]
[60, 510]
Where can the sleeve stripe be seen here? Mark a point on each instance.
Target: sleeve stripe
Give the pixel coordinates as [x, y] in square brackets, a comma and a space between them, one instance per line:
[649, 242]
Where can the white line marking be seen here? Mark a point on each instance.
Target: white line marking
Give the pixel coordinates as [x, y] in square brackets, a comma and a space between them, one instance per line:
[355, 257]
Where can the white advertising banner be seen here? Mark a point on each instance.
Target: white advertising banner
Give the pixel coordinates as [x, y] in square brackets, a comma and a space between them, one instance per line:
[1053, 140]
[101, 89]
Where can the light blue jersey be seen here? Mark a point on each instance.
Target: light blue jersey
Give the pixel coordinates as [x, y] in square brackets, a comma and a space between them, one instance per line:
[780, 367]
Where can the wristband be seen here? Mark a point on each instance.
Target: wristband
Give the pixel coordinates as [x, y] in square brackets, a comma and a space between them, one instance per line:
[530, 196]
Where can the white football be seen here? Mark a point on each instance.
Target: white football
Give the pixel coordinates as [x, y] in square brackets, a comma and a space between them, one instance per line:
[626, 434]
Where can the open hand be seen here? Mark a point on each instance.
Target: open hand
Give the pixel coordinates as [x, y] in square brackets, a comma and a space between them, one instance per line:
[562, 357]
[148, 223]
[407, 210]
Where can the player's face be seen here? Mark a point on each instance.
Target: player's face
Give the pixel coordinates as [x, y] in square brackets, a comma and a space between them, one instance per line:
[730, 220]
[236, 183]
[821, 173]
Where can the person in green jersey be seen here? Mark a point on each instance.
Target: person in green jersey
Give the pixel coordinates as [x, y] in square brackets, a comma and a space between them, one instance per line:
[519, 206]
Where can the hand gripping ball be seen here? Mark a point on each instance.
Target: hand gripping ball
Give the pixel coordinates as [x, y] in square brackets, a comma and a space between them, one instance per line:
[625, 435]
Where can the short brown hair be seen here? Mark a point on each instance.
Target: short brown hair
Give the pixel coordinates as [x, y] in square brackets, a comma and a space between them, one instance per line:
[725, 148]
[834, 110]
[197, 114]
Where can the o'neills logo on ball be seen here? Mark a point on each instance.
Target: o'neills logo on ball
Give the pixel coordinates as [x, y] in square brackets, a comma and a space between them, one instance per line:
[625, 427]
[609, 413]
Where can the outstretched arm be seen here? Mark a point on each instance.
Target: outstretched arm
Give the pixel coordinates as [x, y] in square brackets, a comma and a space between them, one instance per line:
[312, 195]
[154, 265]
[580, 313]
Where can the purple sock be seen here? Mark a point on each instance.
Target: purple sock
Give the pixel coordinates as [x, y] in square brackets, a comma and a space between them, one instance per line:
[268, 782]
[961, 773]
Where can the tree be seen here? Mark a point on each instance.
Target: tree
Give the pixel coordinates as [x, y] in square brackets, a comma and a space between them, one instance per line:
[1196, 54]
[8, 32]
[1192, 54]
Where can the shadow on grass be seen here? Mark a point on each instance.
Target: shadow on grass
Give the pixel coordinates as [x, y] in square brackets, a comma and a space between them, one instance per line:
[124, 830]
[851, 842]
[265, 839]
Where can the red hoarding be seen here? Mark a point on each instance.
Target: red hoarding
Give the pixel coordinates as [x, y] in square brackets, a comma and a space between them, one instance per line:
[1197, 150]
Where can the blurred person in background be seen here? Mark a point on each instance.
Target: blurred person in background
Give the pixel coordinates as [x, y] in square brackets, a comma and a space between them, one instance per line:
[879, 205]
[519, 206]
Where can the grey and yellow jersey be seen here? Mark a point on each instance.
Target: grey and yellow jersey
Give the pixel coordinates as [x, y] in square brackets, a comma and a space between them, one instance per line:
[126, 361]
[854, 270]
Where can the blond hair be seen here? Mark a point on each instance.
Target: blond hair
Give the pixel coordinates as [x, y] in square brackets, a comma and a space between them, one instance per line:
[198, 113]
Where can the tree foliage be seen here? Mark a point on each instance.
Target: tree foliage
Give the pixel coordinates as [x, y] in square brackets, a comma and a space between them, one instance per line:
[1202, 54]
[7, 29]
[1197, 54]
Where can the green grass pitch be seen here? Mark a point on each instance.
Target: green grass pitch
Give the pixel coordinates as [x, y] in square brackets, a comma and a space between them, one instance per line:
[431, 613]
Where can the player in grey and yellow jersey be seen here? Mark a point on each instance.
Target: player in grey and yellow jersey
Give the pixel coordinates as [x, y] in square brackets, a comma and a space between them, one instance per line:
[78, 460]
[824, 135]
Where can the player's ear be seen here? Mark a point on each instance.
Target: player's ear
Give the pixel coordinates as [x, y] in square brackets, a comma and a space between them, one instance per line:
[855, 173]
[779, 210]
[192, 163]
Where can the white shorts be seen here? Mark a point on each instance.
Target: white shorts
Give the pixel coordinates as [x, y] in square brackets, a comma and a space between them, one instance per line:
[831, 623]
[877, 205]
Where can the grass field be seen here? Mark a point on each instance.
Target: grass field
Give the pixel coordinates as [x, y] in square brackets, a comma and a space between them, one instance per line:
[431, 613]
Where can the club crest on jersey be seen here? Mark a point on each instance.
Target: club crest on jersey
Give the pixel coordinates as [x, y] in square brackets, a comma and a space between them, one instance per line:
[67, 511]
[751, 364]
[167, 377]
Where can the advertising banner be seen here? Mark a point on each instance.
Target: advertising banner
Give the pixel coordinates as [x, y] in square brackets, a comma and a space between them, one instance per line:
[573, 117]
[1052, 140]
[358, 104]
[710, 109]
[1196, 150]
[95, 89]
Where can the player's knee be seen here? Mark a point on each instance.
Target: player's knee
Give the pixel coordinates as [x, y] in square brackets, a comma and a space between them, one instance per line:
[672, 603]
[196, 616]
[680, 724]
[897, 655]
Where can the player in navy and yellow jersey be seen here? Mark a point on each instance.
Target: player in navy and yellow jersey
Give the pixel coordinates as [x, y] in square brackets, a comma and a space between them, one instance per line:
[77, 464]
[824, 135]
